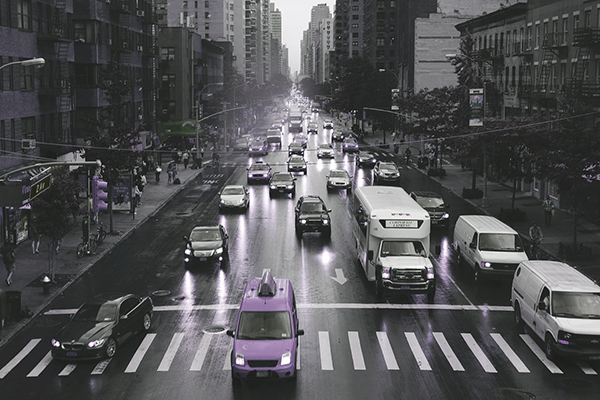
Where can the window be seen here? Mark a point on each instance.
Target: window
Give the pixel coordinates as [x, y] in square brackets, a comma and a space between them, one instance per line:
[587, 18]
[354, 8]
[85, 75]
[529, 37]
[167, 53]
[537, 35]
[26, 78]
[354, 26]
[565, 30]
[24, 15]
[575, 22]
[380, 41]
[355, 16]
[28, 128]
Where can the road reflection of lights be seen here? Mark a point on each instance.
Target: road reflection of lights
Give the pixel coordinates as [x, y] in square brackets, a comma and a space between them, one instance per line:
[445, 256]
[187, 289]
[326, 256]
[360, 177]
[221, 287]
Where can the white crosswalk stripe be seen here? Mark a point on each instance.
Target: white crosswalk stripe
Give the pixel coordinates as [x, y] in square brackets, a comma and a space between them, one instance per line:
[218, 347]
[388, 353]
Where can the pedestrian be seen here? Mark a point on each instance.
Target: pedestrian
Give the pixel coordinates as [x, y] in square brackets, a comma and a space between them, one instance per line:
[186, 159]
[34, 235]
[535, 232]
[8, 256]
[85, 228]
[157, 172]
[169, 173]
[143, 182]
[548, 206]
[138, 197]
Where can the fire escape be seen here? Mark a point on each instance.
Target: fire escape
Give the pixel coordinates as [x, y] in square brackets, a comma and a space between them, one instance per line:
[57, 92]
[553, 45]
[585, 39]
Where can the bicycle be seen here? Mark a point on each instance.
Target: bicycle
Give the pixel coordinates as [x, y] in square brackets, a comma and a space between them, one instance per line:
[88, 247]
[101, 233]
[534, 249]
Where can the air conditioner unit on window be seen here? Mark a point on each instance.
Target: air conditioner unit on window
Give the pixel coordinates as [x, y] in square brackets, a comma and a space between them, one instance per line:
[165, 111]
[140, 48]
[171, 85]
[140, 13]
[109, 42]
[28, 143]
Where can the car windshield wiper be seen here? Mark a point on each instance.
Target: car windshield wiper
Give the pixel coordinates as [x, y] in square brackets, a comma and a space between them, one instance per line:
[566, 315]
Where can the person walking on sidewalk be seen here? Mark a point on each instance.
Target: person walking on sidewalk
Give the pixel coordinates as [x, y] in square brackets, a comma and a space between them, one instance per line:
[8, 256]
[34, 235]
[548, 206]
[186, 159]
[536, 236]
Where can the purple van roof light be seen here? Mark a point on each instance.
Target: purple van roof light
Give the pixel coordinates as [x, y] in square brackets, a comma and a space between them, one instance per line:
[266, 287]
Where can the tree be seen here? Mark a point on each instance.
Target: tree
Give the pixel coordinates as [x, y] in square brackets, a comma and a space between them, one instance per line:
[113, 141]
[571, 158]
[53, 211]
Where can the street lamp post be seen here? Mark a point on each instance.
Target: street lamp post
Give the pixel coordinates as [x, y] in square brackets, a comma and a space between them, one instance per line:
[197, 107]
[26, 63]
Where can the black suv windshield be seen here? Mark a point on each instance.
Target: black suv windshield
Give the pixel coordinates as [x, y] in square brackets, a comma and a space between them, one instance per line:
[268, 325]
[281, 177]
[312, 207]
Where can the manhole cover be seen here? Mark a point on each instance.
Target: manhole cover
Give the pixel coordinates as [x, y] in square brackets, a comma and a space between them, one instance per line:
[214, 329]
[161, 293]
[512, 394]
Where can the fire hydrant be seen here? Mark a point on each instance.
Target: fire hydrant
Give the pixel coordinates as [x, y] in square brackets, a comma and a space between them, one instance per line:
[46, 284]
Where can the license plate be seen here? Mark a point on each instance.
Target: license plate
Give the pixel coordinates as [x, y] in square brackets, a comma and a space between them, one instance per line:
[281, 190]
[262, 374]
[434, 221]
[71, 354]
[404, 287]
[202, 258]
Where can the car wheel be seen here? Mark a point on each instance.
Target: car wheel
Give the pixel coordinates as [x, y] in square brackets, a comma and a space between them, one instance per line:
[378, 286]
[327, 233]
[431, 294]
[477, 275]
[459, 259]
[111, 348]
[549, 348]
[270, 194]
[147, 322]
[517, 316]
[294, 193]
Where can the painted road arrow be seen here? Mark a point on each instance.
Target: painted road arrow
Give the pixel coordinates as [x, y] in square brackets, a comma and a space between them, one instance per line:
[339, 276]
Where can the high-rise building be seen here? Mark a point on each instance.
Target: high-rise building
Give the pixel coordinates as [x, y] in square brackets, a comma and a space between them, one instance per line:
[218, 20]
[317, 13]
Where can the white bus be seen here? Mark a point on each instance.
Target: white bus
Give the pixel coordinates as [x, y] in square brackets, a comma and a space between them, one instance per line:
[392, 238]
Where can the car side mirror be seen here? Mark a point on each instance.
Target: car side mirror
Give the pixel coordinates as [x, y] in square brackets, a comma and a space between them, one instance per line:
[329, 210]
[124, 316]
[185, 238]
[541, 306]
[472, 245]
[230, 332]
[226, 236]
[370, 255]
[300, 332]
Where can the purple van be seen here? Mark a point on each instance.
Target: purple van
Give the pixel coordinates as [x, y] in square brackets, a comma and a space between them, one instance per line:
[265, 341]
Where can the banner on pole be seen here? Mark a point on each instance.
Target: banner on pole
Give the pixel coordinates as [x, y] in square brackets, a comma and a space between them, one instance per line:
[476, 103]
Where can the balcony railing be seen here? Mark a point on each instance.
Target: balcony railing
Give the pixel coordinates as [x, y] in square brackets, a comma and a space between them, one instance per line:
[585, 37]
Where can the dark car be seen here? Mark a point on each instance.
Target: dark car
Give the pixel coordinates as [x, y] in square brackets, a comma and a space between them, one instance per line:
[312, 128]
[365, 159]
[295, 148]
[301, 138]
[259, 171]
[296, 163]
[258, 147]
[101, 325]
[312, 215]
[337, 136]
[241, 144]
[282, 183]
[386, 172]
[274, 136]
[349, 145]
[206, 244]
[434, 204]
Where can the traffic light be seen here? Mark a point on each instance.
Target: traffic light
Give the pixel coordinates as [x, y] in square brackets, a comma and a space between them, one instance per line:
[99, 195]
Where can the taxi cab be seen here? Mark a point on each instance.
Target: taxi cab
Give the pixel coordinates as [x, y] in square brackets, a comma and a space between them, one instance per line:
[265, 338]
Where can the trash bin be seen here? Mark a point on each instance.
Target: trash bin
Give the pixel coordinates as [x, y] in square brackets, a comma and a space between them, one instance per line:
[13, 306]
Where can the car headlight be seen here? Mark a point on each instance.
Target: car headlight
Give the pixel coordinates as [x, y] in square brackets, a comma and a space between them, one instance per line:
[564, 337]
[95, 343]
[445, 216]
[303, 221]
[222, 201]
[430, 274]
[219, 250]
[486, 264]
[273, 187]
[239, 359]
[188, 252]
[325, 222]
[55, 343]
[286, 358]
[385, 273]
[290, 186]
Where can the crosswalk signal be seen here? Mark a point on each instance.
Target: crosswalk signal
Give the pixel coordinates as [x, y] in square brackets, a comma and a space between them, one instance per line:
[99, 195]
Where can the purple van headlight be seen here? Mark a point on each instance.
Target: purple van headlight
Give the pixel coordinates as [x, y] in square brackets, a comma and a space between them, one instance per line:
[239, 359]
[286, 358]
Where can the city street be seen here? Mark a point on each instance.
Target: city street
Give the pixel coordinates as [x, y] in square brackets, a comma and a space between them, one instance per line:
[462, 345]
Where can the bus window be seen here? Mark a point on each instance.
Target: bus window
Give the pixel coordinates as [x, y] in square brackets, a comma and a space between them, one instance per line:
[396, 248]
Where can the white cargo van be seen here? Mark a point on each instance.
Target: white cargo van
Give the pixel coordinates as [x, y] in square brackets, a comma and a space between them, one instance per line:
[562, 307]
[487, 245]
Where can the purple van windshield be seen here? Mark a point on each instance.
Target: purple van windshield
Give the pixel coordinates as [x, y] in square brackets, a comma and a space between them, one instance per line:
[268, 325]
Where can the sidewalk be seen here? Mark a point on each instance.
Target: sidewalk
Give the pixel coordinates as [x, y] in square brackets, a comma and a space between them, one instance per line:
[31, 268]
[500, 197]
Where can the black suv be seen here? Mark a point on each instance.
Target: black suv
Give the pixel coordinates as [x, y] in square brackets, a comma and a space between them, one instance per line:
[282, 182]
[312, 215]
[434, 204]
